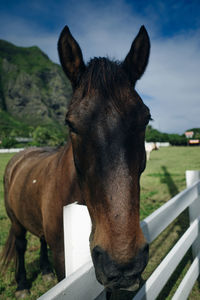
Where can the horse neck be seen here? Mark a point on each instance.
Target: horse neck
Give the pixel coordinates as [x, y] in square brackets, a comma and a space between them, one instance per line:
[70, 187]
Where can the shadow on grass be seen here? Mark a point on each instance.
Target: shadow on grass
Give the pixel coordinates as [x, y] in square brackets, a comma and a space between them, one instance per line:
[167, 179]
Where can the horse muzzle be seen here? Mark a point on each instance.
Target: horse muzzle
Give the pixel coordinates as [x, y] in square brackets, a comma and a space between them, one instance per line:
[119, 276]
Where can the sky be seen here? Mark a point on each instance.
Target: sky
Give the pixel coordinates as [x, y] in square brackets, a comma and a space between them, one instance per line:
[170, 87]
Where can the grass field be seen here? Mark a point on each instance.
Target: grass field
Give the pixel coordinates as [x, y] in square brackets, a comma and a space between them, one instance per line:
[163, 178]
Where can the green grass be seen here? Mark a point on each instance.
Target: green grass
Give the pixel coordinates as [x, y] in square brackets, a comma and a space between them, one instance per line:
[164, 175]
[163, 178]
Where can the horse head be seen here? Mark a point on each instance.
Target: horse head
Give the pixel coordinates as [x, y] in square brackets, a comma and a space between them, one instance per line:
[107, 121]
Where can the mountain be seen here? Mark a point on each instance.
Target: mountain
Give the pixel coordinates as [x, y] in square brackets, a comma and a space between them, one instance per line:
[33, 89]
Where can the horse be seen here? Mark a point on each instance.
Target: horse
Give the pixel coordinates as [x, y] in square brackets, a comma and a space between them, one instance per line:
[149, 147]
[100, 167]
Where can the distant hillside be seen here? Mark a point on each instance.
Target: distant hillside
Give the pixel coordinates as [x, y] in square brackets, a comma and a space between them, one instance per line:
[33, 90]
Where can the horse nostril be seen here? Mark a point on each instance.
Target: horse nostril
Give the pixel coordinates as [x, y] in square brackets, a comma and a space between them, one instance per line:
[138, 263]
[97, 252]
[104, 264]
[110, 272]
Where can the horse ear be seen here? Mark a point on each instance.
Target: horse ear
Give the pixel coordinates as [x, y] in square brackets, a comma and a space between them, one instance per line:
[137, 59]
[71, 57]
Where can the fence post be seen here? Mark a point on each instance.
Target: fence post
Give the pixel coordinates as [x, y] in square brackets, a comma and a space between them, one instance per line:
[77, 228]
[194, 208]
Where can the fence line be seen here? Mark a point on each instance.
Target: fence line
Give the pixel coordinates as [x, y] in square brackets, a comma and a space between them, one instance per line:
[11, 150]
[154, 224]
[79, 284]
[154, 284]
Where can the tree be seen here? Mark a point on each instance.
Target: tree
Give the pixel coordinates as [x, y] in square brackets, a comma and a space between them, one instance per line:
[177, 140]
[153, 135]
[45, 136]
[8, 142]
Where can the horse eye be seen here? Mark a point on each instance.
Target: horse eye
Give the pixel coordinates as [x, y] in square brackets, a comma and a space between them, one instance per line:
[71, 126]
[149, 118]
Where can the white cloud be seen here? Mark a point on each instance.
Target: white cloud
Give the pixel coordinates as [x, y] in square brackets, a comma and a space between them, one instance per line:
[171, 81]
[105, 30]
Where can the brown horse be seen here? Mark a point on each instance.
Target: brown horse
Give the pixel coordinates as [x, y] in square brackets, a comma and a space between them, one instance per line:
[99, 167]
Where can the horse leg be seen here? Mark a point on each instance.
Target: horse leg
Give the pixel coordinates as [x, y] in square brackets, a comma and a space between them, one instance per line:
[59, 262]
[45, 265]
[20, 273]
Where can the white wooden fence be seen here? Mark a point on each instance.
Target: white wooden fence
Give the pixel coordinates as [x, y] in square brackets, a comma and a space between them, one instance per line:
[11, 150]
[82, 284]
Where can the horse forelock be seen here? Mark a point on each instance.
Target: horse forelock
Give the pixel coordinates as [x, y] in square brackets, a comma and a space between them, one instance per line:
[108, 79]
[108, 82]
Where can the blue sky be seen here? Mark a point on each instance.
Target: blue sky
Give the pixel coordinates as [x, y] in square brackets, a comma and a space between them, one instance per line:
[170, 86]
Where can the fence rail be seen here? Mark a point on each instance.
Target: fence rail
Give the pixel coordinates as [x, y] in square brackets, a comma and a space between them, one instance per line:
[11, 150]
[82, 284]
